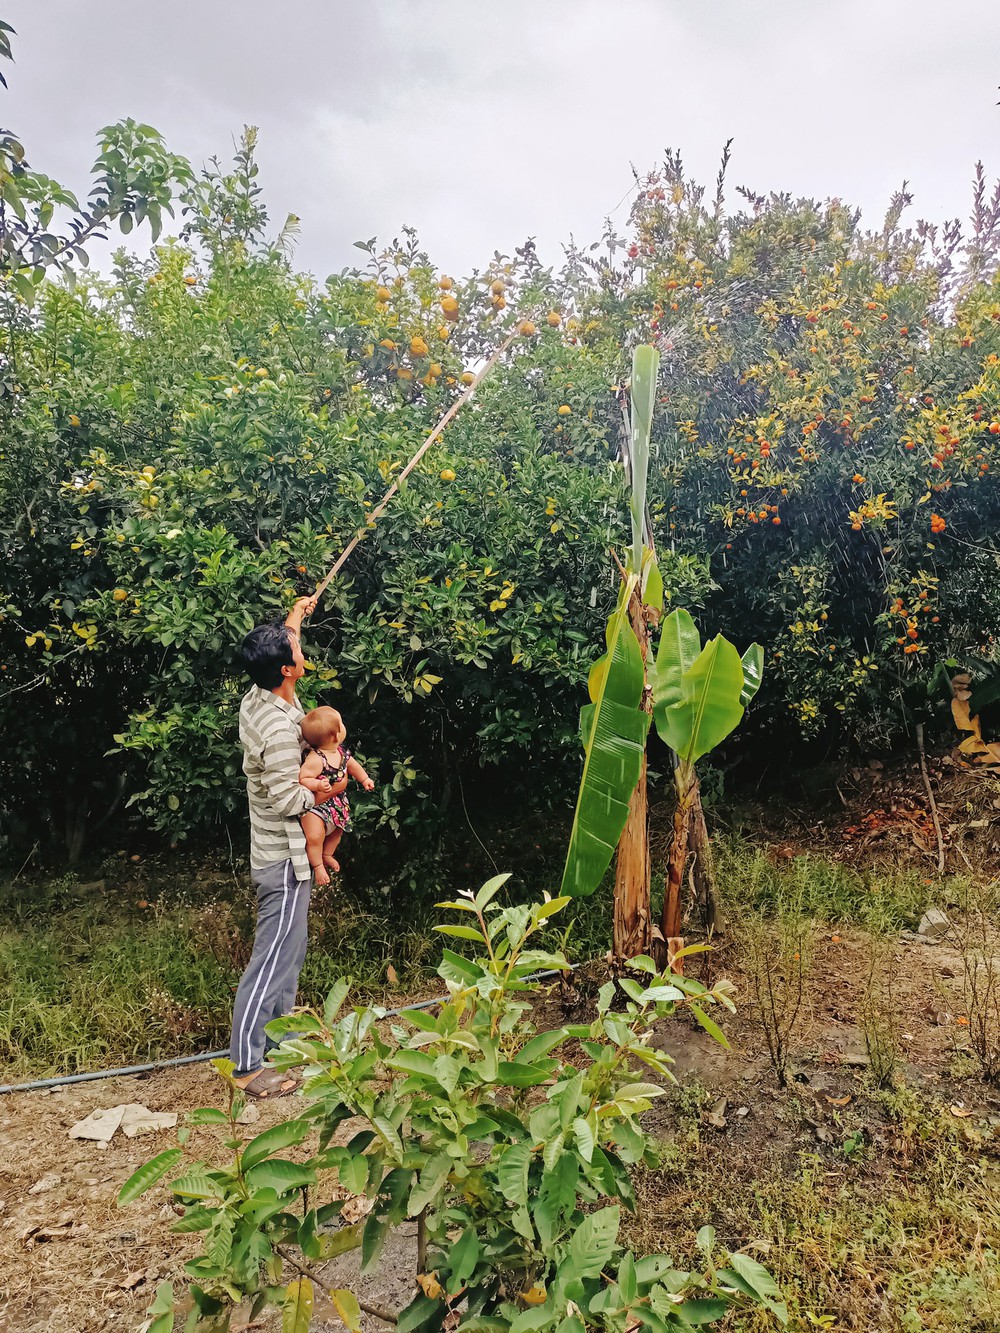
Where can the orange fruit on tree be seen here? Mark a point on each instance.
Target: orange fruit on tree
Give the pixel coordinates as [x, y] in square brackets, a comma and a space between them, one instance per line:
[449, 308]
[553, 319]
[498, 287]
[404, 373]
[388, 344]
[383, 294]
[119, 594]
[417, 346]
[447, 474]
[526, 328]
[565, 410]
[445, 283]
[498, 302]
[434, 369]
[467, 377]
[190, 280]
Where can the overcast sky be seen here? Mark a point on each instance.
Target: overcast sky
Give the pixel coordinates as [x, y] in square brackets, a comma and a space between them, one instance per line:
[483, 123]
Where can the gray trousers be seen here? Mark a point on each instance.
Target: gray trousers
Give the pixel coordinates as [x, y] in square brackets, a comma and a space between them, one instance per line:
[268, 987]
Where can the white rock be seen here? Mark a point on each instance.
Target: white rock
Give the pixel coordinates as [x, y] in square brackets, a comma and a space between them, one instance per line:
[47, 1182]
[933, 924]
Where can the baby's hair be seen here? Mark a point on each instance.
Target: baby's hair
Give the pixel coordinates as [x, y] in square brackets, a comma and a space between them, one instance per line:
[323, 726]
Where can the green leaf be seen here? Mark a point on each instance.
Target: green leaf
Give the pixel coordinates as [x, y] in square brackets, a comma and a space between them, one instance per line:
[550, 908]
[761, 1282]
[147, 1175]
[593, 1242]
[585, 1138]
[753, 672]
[615, 729]
[490, 889]
[511, 1075]
[279, 1175]
[273, 1139]
[645, 368]
[462, 933]
[347, 1307]
[710, 1026]
[463, 1257]
[512, 1172]
[162, 1309]
[334, 1000]
[676, 653]
[429, 1183]
[297, 1307]
[709, 707]
[652, 594]
[700, 1312]
[705, 1240]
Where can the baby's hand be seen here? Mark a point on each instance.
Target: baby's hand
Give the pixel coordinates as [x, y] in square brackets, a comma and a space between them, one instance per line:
[368, 784]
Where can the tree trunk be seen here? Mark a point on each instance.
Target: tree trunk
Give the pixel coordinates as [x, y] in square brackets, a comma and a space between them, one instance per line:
[704, 867]
[631, 931]
[678, 858]
[632, 928]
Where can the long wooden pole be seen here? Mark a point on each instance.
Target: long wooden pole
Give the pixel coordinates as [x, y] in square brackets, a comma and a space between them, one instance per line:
[435, 434]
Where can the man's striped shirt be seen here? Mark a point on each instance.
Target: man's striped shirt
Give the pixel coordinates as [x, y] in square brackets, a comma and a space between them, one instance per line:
[269, 733]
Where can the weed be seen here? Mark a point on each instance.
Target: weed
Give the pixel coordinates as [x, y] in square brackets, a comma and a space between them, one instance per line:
[975, 939]
[878, 1013]
[776, 958]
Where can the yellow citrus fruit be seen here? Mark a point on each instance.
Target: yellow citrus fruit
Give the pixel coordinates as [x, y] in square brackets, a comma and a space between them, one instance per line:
[74, 420]
[434, 369]
[498, 287]
[449, 308]
[261, 373]
[499, 302]
[565, 410]
[526, 328]
[553, 319]
[445, 283]
[190, 280]
[447, 474]
[417, 346]
[467, 377]
[388, 344]
[444, 333]
[404, 373]
[428, 379]
[119, 594]
[383, 294]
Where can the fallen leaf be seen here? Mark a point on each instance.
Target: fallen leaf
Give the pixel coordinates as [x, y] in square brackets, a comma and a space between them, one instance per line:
[717, 1115]
[390, 975]
[839, 1101]
[47, 1182]
[430, 1286]
[962, 1112]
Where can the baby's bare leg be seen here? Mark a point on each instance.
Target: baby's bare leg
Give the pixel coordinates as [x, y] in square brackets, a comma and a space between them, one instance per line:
[314, 829]
[330, 849]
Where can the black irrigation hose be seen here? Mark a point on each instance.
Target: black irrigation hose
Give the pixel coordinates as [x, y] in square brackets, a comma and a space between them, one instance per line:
[94, 1075]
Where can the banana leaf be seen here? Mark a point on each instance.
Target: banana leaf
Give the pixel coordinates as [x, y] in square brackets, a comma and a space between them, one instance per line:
[753, 670]
[680, 644]
[709, 707]
[645, 369]
[614, 728]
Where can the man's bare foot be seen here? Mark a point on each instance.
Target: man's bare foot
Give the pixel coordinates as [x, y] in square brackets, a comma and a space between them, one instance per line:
[321, 875]
[333, 864]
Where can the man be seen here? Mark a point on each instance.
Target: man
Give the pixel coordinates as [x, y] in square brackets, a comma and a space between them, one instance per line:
[270, 717]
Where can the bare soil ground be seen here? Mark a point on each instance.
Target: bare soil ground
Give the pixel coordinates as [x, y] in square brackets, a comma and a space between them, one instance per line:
[72, 1260]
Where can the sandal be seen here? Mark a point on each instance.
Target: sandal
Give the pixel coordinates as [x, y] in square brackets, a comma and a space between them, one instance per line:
[269, 1083]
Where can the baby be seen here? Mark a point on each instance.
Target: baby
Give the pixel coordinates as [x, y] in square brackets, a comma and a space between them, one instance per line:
[324, 733]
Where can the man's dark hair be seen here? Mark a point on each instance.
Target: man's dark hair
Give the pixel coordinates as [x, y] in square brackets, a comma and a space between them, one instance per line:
[265, 651]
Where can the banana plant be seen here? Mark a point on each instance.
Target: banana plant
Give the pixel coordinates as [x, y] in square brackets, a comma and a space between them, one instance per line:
[615, 724]
[696, 695]
[699, 697]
